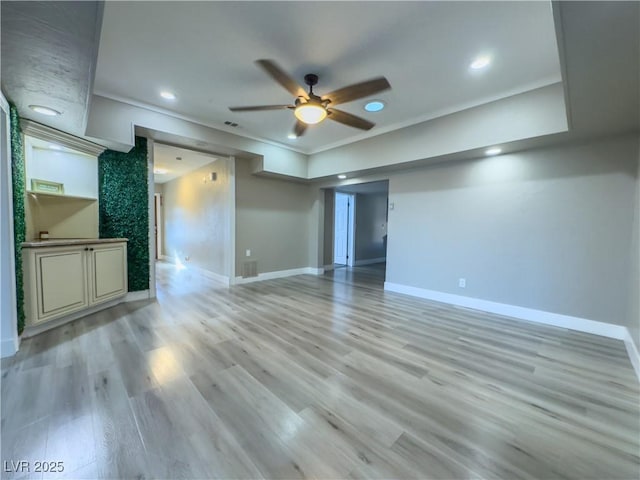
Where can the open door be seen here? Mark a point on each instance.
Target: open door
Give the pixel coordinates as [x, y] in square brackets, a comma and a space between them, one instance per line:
[344, 229]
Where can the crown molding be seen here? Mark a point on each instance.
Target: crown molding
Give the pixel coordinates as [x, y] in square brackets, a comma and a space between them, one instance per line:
[43, 132]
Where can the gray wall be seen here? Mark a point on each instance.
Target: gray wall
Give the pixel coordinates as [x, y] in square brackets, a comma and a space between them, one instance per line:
[329, 212]
[530, 114]
[634, 282]
[197, 218]
[371, 223]
[272, 220]
[547, 229]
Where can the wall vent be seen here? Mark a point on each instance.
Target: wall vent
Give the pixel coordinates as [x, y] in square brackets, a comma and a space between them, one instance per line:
[250, 269]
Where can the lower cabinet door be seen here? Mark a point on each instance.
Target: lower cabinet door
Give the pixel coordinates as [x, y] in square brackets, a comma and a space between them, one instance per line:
[63, 283]
[108, 272]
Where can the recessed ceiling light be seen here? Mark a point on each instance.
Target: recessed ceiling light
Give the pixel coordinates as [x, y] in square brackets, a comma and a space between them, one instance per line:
[342, 176]
[168, 95]
[480, 62]
[292, 136]
[44, 110]
[493, 151]
[160, 171]
[53, 146]
[374, 106]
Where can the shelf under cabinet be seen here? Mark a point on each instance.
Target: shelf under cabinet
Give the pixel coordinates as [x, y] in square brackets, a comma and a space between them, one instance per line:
[58, 195]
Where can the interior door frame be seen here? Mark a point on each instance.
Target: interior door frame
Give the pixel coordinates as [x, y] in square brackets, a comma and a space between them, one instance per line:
[351, 228]
[158, 224]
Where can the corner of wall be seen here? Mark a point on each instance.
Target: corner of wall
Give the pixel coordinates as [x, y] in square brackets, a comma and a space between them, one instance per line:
[634, 280]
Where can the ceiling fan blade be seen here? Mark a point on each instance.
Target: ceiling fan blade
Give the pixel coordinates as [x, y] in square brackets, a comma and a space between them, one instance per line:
[299, 128]
[260, 108]
[282, 78]
[349, 119]
[357, 90]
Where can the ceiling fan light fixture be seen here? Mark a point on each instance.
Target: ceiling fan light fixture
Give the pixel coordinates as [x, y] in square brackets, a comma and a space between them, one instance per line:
[310, 113]
[309, 108]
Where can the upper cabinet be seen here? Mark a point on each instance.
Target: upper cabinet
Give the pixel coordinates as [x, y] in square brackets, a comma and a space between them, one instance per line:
[54, 169]
[61, 184]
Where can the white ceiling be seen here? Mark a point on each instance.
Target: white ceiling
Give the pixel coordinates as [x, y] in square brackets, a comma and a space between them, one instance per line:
[49, 54]
[205, 53]
[165, 158]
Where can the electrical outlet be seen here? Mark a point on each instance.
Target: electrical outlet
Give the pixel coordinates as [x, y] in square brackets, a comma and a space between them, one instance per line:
[247, 253]
[462, 282]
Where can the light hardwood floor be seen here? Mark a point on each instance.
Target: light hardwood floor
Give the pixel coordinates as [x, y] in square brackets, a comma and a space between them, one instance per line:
[322, 377]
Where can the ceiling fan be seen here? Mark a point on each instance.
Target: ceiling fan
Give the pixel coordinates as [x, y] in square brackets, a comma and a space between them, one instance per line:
[310, 108]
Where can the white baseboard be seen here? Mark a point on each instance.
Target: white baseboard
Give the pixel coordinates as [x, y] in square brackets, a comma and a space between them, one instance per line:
[603, 329]
[633, 353]
[135, 296]
[370, 261]
[280, 274]
[202, 271]
[216, 277]
[9, 347]
[523, 313]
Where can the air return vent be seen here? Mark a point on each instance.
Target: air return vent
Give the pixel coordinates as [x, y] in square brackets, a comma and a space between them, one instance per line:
[250, 269]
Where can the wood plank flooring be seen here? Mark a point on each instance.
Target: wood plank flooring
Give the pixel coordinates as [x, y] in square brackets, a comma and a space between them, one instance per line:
[316, 377]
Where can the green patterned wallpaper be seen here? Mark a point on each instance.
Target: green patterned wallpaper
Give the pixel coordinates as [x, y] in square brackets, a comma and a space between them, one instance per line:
[124, 202]
[19, 225]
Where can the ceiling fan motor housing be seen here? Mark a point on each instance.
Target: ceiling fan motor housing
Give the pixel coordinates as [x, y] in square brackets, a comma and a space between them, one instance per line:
[311, 79]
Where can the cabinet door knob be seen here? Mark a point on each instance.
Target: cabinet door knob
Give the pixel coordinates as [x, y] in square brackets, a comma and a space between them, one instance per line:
[86, 249]
[91, 249]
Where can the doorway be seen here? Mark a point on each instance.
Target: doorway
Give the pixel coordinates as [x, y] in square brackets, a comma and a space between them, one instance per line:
[157, 223]
[344, 229]
[355, 233]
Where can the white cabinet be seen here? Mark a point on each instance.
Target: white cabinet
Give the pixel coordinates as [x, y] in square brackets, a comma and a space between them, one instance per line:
[108, 272]
[64, 279]
[61, 183]
[61, 276]
[76, 171]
